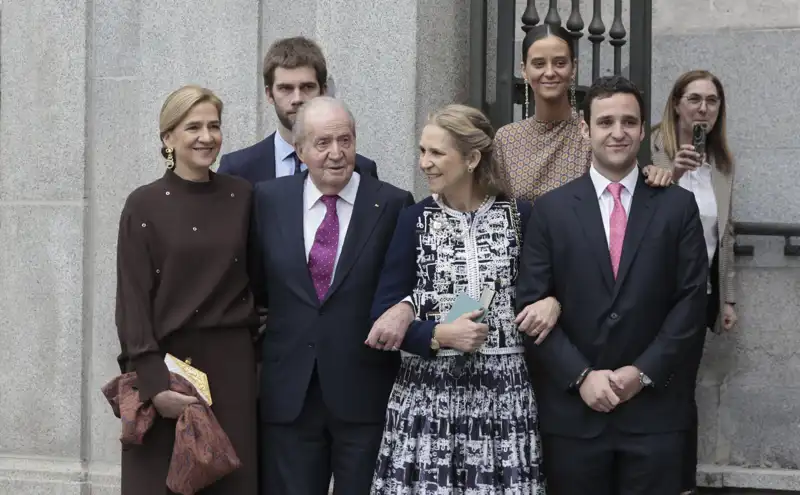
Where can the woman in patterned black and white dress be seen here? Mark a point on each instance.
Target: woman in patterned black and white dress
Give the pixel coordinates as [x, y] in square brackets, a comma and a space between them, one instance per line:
[462, 415]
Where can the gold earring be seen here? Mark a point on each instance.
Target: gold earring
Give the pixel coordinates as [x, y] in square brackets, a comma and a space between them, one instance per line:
[526, 112]
[170, 159]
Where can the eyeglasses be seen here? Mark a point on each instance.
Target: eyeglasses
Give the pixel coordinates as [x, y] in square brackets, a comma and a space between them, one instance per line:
[696, 100]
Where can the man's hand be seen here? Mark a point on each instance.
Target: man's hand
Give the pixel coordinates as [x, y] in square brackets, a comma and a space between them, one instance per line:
[539, 318]
[729, 317]
[390, 329]
[626, 383]
[596, 391]
[656, 176]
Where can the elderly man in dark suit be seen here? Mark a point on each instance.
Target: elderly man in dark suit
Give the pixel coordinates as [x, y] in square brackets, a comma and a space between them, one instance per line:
[294, 71]
[318, 246]
[628, 264]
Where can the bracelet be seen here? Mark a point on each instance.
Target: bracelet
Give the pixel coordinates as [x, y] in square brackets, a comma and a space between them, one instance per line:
[581, 378]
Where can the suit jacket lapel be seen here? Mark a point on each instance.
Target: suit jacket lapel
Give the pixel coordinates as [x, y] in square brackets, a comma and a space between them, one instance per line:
[300, 279]
[269, 158]
[367, 209]
[642, 211]
[587, 208]
[722, 185]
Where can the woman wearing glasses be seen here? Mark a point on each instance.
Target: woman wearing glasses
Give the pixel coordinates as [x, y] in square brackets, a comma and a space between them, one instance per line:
[698, 99]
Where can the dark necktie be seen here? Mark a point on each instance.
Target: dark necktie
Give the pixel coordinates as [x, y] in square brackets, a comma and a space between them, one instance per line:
[296, 161]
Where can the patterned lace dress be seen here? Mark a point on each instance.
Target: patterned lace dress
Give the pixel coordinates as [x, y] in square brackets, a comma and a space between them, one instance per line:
[460, 424]
[539, 156]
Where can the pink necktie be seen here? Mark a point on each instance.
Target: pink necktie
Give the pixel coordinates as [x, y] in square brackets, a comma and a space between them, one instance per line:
[616, 227]
[323, 252]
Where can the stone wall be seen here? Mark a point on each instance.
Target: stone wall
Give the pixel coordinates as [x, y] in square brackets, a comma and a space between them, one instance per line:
[81, 84]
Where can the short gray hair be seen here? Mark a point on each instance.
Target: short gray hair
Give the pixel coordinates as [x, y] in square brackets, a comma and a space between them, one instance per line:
[299, 128]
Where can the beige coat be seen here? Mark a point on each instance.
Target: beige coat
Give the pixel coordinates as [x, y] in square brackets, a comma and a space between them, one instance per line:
[723, 190]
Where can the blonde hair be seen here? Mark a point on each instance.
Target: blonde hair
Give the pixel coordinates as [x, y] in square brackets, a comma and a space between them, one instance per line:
[717, 139]
[178, 105]
[472, 131]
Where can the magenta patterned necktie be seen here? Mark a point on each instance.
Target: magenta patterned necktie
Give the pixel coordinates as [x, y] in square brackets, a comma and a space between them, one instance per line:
[323, 251]
[617, 225]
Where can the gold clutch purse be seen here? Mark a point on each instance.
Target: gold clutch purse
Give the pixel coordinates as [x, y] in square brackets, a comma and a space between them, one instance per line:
[192, 374]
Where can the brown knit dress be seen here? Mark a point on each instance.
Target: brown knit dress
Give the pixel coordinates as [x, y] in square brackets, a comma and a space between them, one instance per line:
[182, 288]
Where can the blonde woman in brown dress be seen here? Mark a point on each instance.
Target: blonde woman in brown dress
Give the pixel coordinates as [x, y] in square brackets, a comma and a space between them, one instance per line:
[183, 289]
[547, 150]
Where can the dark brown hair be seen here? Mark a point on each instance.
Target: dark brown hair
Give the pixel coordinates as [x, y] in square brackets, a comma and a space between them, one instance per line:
[606, 86]
[543, 31]
[291, 53]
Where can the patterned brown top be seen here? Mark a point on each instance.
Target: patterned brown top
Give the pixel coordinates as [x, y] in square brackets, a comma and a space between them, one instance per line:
[539, 156]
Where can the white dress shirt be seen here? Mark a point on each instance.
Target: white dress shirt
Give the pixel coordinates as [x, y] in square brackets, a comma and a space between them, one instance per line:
[698, 182]
[284, 163]
[314, 213]
[606, 199]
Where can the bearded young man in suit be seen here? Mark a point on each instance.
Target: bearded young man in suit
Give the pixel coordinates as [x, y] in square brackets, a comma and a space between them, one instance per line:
[628, 264]
[294, 71]
[318, 245]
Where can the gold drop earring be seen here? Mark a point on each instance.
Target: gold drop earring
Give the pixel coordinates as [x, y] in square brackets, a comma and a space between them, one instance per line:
[170, 160]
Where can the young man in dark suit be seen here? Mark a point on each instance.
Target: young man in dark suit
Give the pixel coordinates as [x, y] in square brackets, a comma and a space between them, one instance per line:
[318, 245]
[294, 72]
[629, 266]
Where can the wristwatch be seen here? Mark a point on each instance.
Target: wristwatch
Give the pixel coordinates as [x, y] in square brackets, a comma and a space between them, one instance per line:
[434, 342]
[576, 385]
[645, 380]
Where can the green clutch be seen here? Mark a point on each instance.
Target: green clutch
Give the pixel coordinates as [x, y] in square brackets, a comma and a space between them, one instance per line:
[465, 304]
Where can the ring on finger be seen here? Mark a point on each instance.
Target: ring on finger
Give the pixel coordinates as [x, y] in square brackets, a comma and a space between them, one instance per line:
[381, 342]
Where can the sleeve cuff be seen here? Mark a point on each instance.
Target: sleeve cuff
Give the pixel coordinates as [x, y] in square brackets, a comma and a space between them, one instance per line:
[418, 338]
[152, 375]
[410, 301]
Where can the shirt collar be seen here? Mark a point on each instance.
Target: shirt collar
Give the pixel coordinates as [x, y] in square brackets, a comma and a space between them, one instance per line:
[348, 194]
[282, 148]
[601, 183]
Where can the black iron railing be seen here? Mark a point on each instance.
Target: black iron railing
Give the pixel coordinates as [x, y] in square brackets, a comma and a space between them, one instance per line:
[785, 230]
[510, 90]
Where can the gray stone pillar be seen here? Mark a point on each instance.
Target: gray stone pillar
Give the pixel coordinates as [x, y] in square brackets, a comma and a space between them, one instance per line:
[42, 224]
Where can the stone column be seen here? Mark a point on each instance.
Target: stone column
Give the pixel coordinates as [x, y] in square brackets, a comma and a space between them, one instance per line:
[42, 223]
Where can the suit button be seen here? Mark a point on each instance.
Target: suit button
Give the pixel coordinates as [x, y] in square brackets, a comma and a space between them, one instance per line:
[310, 345]
[614, 316]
